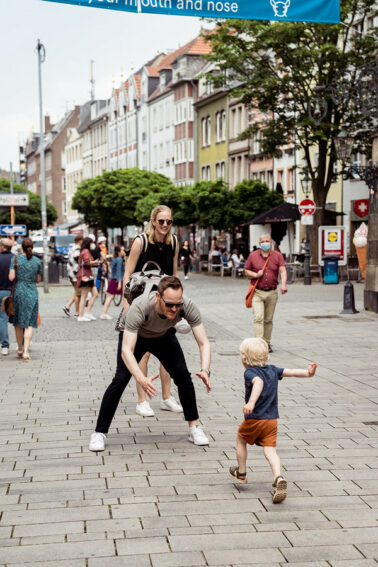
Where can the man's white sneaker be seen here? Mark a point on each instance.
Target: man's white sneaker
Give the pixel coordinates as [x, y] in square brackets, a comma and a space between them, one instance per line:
[144, 409]
[197, 436]
[4, 350]
[90, 316]
[106, 317]
[83, 319]
[171, 405]
[97, 441]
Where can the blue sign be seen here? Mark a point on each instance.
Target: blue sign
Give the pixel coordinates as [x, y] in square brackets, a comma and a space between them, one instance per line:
[12, 229]
[322, 11]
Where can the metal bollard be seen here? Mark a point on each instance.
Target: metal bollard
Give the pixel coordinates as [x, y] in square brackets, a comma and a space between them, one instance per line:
[349, 307]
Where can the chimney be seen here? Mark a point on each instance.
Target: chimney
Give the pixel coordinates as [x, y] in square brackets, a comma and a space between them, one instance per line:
[48, 125]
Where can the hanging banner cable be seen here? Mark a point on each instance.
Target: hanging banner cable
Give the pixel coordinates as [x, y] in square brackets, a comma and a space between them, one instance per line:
[317, 11]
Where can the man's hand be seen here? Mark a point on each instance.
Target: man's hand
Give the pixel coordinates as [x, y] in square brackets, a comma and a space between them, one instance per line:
[283, 289]
[148, 386]
[205, 379]
[312, 368]
[248, 408]
[259, 274]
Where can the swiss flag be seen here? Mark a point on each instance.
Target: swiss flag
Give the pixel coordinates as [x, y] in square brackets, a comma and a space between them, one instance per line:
[361, 207]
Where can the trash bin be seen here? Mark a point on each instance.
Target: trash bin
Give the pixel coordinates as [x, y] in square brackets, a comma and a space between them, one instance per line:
[53, 272]
[331, 269]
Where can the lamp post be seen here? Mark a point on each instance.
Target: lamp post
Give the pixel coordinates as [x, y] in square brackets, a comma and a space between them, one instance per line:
[305, 182]
[41, 59]
[368, 173]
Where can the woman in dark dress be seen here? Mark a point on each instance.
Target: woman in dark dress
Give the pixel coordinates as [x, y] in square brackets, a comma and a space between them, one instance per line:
[186, 257]
[159, 245]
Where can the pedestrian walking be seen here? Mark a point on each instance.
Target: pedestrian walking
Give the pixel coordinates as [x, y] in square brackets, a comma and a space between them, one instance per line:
[116, 279]
[93, 293]
[147, 326]
[72, 269]
[261, 411]
[186, 257]
[84, 278]
[264, 265]
[5, 290]
[159, 245]
[26, 269]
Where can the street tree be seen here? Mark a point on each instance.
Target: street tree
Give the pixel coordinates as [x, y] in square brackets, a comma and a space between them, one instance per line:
[299, 82]
[179, 199]
[31, 216]
[110, 200]
[248, 199]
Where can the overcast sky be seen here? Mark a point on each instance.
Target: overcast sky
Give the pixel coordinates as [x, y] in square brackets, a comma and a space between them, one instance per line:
[72, 36]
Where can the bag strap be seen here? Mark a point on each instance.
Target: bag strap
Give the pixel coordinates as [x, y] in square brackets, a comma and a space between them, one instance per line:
[174, 243]
[263, 268]
[15, 266]
[155, 264]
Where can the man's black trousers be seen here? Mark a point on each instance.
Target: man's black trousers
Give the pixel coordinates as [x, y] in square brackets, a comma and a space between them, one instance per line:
[168, 350]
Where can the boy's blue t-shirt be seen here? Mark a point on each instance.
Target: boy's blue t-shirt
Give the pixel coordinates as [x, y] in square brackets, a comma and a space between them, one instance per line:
[267, 405]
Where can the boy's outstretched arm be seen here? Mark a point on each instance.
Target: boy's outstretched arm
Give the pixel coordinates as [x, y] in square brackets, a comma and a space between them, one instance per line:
[258, 385]
[301, 372]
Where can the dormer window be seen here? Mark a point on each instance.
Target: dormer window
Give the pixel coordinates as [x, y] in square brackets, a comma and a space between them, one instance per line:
[162, 80]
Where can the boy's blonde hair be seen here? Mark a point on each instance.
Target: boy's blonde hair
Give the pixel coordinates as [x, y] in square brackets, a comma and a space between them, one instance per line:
[255, 351]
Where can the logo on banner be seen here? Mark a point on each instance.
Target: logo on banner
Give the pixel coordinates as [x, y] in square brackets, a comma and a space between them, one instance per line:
[280, 8]
[361, 207]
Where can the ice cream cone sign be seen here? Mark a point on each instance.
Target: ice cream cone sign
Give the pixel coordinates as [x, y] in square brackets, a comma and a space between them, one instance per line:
[360, 242]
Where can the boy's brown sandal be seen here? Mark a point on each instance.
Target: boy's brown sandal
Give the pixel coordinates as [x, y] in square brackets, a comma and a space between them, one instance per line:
[240, 477]
[280, 489]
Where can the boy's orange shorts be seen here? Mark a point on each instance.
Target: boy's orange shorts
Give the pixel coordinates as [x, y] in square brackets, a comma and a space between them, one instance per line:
[262, 432]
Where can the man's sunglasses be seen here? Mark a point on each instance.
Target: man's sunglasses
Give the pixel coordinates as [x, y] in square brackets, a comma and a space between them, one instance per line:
[171, 305]
[162, 222]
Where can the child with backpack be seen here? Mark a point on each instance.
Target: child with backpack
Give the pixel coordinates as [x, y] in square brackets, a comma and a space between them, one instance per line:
[261, 411]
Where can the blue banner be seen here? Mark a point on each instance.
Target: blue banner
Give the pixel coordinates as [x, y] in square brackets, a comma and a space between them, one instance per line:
[322, 11]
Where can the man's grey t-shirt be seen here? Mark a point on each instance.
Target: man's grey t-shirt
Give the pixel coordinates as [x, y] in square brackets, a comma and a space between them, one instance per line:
[141, 317]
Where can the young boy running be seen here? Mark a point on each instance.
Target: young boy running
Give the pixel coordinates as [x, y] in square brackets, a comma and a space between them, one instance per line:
[261, 411]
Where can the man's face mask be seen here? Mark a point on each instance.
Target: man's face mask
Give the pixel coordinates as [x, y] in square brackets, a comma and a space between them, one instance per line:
[265, 246]
[92, 246]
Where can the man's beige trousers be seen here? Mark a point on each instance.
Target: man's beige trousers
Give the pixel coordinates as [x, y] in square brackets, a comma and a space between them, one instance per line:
[263, 305]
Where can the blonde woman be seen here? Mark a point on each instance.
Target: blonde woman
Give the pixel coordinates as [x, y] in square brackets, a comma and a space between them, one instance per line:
[158, 245]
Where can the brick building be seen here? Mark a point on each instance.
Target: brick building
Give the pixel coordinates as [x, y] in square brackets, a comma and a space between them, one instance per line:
[55, 137]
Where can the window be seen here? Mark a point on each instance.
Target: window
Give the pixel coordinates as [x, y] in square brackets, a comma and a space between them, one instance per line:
[206, 173]
[204, 132]
[32, 167]
[48, 186]
[48, 162]
[208, 131]
[64, 185]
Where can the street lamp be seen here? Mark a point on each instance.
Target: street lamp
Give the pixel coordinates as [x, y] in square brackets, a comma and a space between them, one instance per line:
[369, 174]
[41, 59]
[305, 182]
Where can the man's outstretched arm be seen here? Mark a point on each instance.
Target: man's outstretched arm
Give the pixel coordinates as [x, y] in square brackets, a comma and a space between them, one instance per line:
[205, 354]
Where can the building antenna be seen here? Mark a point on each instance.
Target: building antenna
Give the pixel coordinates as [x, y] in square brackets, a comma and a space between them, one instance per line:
[91, 80]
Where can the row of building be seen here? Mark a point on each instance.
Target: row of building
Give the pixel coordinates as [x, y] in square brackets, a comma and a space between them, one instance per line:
[167, 117]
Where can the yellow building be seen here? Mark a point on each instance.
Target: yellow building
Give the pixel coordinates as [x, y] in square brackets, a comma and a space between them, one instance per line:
[211, 107]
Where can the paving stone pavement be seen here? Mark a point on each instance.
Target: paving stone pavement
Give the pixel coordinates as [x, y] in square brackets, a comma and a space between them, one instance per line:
[153, 499]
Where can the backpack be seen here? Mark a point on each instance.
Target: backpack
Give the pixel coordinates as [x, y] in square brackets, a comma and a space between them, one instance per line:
[143, 282]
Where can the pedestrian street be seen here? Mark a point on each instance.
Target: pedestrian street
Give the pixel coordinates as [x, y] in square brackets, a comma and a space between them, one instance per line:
[152, 499]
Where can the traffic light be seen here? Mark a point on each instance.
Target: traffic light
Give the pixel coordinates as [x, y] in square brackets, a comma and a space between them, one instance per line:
[23, 170]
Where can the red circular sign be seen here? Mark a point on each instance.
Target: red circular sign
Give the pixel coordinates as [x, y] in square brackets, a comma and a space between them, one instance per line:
[307, 207]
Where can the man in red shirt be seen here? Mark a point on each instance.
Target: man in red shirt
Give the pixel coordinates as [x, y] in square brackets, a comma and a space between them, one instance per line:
[266, 295]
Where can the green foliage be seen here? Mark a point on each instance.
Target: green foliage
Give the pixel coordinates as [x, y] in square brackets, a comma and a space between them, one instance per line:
[302, 78]
[30, 216]
[110, 200]
[248, 199]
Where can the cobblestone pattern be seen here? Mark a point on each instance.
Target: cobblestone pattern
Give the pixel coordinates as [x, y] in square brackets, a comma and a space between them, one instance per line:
[154, 500]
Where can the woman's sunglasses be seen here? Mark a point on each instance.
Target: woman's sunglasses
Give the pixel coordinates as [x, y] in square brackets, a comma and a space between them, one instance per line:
[162, 222]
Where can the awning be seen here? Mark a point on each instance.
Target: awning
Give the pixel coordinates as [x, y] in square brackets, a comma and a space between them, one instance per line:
[285, 212]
